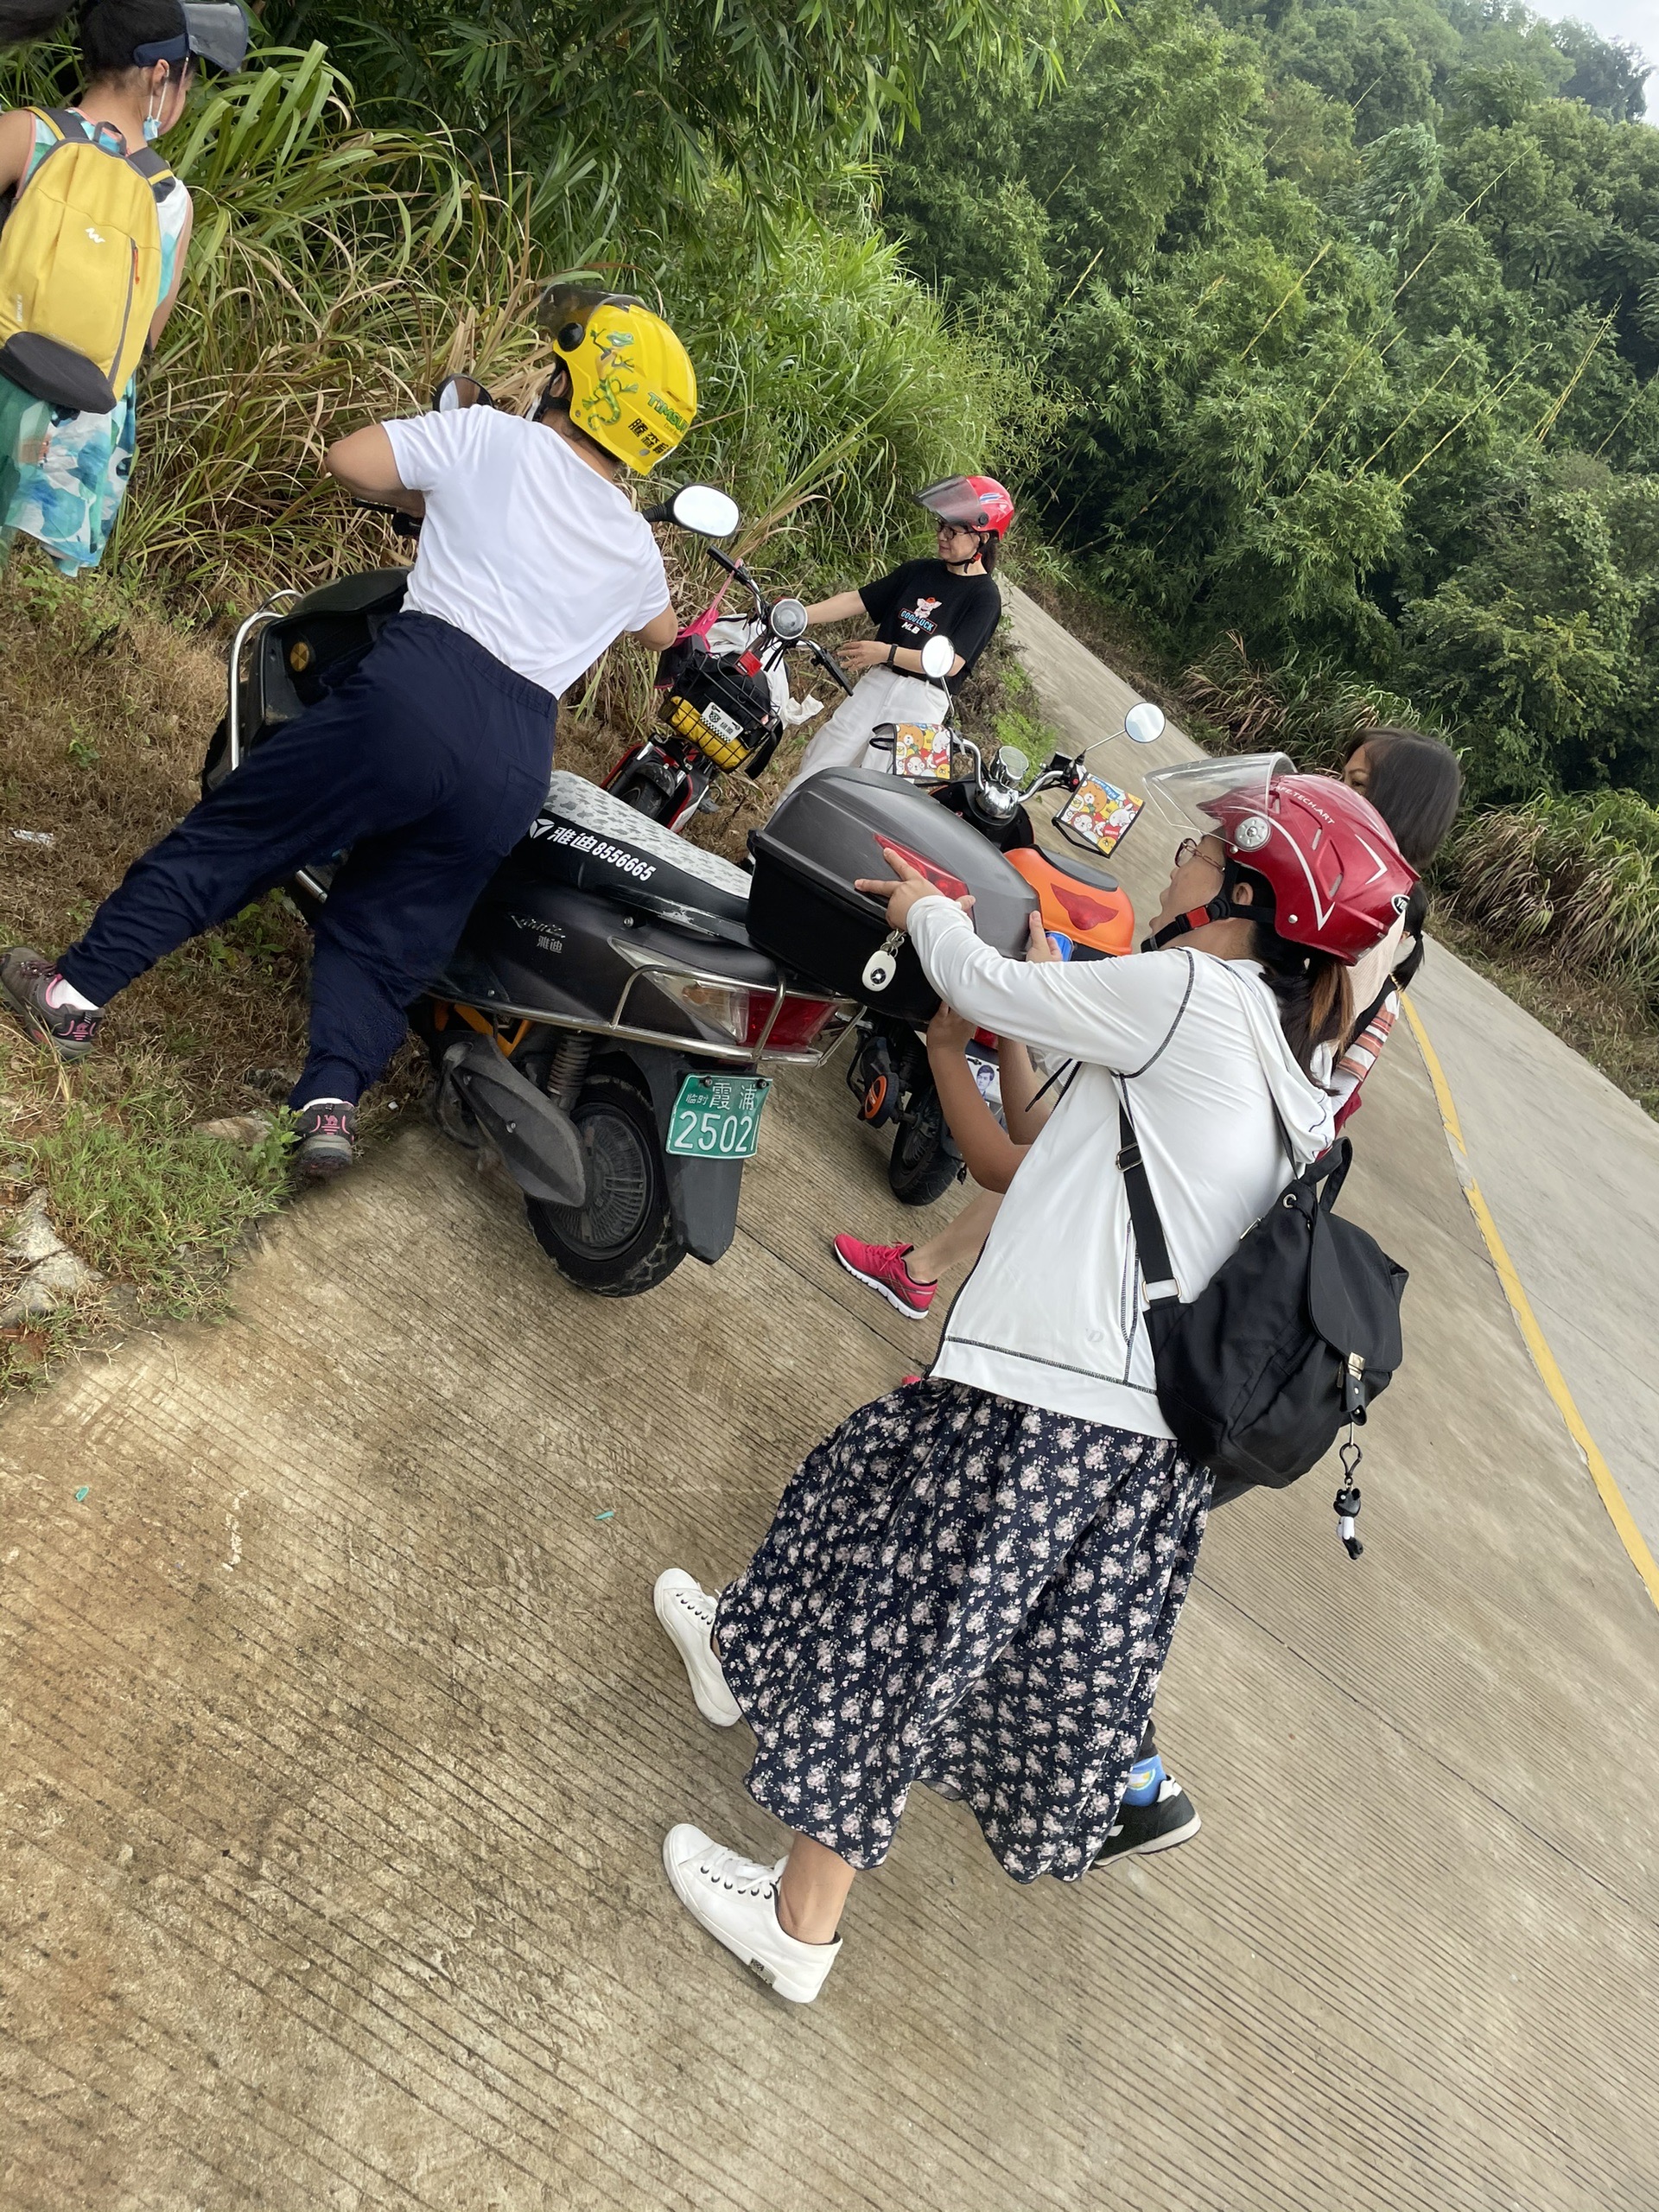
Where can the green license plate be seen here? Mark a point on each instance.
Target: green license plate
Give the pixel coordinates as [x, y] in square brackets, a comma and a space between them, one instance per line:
[717, 1116]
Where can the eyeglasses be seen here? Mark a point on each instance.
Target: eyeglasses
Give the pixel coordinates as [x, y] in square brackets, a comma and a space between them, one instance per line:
[1191, 848]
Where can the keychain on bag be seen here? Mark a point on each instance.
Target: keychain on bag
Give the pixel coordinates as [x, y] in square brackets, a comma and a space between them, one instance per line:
[883, 964]
[1345, 1503]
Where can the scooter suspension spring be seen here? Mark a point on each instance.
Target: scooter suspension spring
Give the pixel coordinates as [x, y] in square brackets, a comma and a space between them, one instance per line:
[564, 1077]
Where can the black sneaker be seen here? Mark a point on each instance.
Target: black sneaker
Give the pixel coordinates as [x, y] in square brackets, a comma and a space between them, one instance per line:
[1171, 1818]
[25, 977]
[325, 1137]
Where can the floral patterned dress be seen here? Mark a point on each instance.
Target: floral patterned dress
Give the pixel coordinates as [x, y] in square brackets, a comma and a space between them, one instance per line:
[962, 1590]
[63, 475]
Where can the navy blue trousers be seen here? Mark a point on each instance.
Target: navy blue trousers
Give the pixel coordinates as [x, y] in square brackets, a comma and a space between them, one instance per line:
[430, 762]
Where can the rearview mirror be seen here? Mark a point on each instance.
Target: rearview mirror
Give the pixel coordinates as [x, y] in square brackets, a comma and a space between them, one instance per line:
[937, 655]
[455, 392]
[700, 507]
[1144, 723]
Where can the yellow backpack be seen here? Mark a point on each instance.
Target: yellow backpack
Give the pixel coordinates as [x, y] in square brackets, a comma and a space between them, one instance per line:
[81, 268]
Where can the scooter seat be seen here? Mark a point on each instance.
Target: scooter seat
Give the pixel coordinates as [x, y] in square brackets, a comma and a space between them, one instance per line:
[1079, 871]
[585, 837]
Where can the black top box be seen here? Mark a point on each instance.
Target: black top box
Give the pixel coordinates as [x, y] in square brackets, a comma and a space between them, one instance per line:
[826, 832]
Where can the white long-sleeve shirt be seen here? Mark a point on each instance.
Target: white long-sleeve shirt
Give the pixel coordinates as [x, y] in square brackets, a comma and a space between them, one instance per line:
[1051, 1315]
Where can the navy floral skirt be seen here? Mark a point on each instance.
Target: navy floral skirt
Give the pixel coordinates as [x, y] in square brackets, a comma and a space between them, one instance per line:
[971, 1593]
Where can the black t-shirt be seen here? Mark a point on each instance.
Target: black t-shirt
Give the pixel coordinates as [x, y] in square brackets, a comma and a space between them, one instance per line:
[923, 596]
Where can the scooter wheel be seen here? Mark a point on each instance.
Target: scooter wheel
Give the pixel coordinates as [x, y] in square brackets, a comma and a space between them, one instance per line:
[921, 1166]
[622, 1240]
[644, 796]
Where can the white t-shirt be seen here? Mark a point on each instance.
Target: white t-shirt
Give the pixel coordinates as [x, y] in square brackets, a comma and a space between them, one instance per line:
[525, 547]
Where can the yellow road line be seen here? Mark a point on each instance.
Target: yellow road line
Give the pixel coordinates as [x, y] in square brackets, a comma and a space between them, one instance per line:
[1542, 1358]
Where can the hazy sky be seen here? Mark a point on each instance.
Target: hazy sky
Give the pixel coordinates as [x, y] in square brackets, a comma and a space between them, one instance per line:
[1636, 20]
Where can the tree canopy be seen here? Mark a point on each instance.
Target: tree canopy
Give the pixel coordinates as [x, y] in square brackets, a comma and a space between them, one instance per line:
[1355, 305]
[625, 116]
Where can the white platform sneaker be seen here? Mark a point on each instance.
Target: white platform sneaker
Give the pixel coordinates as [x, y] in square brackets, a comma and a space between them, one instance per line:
[736, 1900]
[687, 1612]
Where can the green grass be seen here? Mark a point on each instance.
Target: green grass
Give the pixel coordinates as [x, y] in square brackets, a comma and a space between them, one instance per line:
[136, 1192]
[158, 1211]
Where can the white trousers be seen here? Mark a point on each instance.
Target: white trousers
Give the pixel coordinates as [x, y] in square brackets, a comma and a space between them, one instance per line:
[881, 695]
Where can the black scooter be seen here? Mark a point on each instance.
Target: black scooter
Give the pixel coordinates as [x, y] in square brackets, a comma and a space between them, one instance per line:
[604, 1025]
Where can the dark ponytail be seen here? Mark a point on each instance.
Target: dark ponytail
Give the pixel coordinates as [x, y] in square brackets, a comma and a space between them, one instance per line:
[1315, 997]
[107, 33]
[1314, 990]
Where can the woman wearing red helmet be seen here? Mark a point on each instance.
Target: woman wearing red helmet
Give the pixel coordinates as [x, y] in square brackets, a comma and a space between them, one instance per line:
[974, 1582]
[951, 595]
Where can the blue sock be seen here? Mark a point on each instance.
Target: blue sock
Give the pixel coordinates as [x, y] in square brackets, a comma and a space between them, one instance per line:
[1146, 1779]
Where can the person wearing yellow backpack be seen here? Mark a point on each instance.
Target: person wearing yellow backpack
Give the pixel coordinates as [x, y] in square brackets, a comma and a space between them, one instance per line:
[93, 230]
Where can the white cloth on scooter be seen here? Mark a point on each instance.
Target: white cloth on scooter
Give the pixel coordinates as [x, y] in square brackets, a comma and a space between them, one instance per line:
[735, 634]
[525, 547]
[1051, 1315]
[881, 695]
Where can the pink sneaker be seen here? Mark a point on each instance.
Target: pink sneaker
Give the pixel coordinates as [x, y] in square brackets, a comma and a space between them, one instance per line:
[882, 1266]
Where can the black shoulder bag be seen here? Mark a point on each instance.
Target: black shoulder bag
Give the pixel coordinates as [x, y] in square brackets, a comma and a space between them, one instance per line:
[1292, 1336]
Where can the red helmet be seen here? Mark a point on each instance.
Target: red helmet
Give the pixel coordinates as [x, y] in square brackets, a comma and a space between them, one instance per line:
[976, 502]
[1338, 878]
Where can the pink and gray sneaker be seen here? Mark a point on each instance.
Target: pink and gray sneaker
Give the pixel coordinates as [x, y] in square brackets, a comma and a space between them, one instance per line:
[881, 1267]
[32, 987]
[325, 1137]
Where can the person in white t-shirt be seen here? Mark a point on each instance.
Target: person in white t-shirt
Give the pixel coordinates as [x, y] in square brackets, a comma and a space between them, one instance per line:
[430, 760]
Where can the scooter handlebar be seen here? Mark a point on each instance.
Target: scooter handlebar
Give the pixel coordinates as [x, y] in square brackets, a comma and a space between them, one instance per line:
[403, 525]
[827, 661]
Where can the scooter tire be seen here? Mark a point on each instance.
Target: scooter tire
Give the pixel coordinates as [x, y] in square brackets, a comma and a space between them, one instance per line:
[921, 1166]
[622, 1240]
[643, 795]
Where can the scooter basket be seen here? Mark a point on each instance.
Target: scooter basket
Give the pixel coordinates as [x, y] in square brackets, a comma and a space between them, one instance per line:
[723, 708]
[826, 832]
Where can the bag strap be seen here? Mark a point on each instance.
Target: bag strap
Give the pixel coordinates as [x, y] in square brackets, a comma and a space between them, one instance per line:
[154, 170]
[1157, 1275]
[145, 159]
[1157, 1272]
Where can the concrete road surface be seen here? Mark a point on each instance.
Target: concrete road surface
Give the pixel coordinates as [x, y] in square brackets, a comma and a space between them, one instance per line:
[340, 1741]
[1570, 1167]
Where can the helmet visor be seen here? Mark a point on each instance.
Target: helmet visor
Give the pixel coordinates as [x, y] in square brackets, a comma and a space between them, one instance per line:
[217, 31]
[1186, 801]
[1185, 796]
[954, 500]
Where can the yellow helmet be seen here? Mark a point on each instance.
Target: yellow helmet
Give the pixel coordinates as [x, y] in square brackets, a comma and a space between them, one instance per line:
[632, 388]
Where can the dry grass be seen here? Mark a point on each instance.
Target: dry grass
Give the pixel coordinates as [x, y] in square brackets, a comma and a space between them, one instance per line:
[1576, 877]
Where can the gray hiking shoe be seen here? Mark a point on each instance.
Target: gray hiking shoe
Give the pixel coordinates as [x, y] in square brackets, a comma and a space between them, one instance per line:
[25, 981]
[325, 1137]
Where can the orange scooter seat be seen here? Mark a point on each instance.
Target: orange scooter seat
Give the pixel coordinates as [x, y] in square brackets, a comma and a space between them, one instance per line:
[1078, 900]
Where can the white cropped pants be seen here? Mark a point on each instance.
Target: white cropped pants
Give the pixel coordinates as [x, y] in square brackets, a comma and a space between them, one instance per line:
[881, 695]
